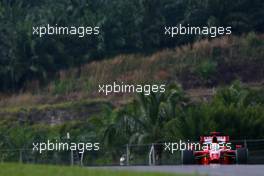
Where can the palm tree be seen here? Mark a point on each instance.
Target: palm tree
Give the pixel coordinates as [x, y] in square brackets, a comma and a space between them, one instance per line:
[114, 128]
[152, 114]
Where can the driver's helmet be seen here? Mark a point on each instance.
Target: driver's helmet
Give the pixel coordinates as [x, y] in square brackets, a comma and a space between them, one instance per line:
[214, 140]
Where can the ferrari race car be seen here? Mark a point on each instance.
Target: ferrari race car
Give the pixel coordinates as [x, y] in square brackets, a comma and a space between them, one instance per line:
[215, 149]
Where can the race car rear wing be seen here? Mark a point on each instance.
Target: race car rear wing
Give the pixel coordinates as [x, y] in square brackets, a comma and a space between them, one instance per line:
[209, 139]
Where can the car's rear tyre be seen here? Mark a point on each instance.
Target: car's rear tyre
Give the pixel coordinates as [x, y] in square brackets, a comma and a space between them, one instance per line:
[187, 157]
[242, 156]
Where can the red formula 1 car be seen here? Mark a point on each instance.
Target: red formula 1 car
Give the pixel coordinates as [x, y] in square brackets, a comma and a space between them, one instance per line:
[215, 148]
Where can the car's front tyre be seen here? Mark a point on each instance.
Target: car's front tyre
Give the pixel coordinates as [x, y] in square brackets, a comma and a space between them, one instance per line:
[187, 157]
[242, 156]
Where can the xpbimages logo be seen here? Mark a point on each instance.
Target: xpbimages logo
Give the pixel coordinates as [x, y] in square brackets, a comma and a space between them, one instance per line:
[107, 89]
[80, 31]
[212, 31]
[196, 146]
[65, 146]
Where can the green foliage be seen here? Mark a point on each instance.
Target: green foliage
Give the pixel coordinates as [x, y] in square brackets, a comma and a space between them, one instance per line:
[126, 27]
[160, 117]
[232, 111]
[253, 41]
[63, 86]
[207, 69]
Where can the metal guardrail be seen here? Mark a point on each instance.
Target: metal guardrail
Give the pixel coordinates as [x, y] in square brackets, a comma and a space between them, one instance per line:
[255, 146]
[135, 154]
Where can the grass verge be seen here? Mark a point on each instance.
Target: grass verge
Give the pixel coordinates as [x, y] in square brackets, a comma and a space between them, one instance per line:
[46, 170]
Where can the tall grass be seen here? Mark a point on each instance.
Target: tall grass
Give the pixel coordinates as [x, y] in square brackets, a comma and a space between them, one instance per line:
[44, 170]
[206, 63]
[200, 63]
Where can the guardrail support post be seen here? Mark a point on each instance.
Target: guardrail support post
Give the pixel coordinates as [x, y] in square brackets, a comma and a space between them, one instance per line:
[72, 158]
[81, 161]
[127, 155]
[20, 156]
[153, 155]
[245, 143]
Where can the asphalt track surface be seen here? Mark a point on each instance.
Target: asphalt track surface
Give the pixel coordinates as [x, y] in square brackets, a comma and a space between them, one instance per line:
[208, 170]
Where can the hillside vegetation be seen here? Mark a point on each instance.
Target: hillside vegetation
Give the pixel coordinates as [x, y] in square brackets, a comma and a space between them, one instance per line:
[49, 85]
[229, 69]
[204, 64]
